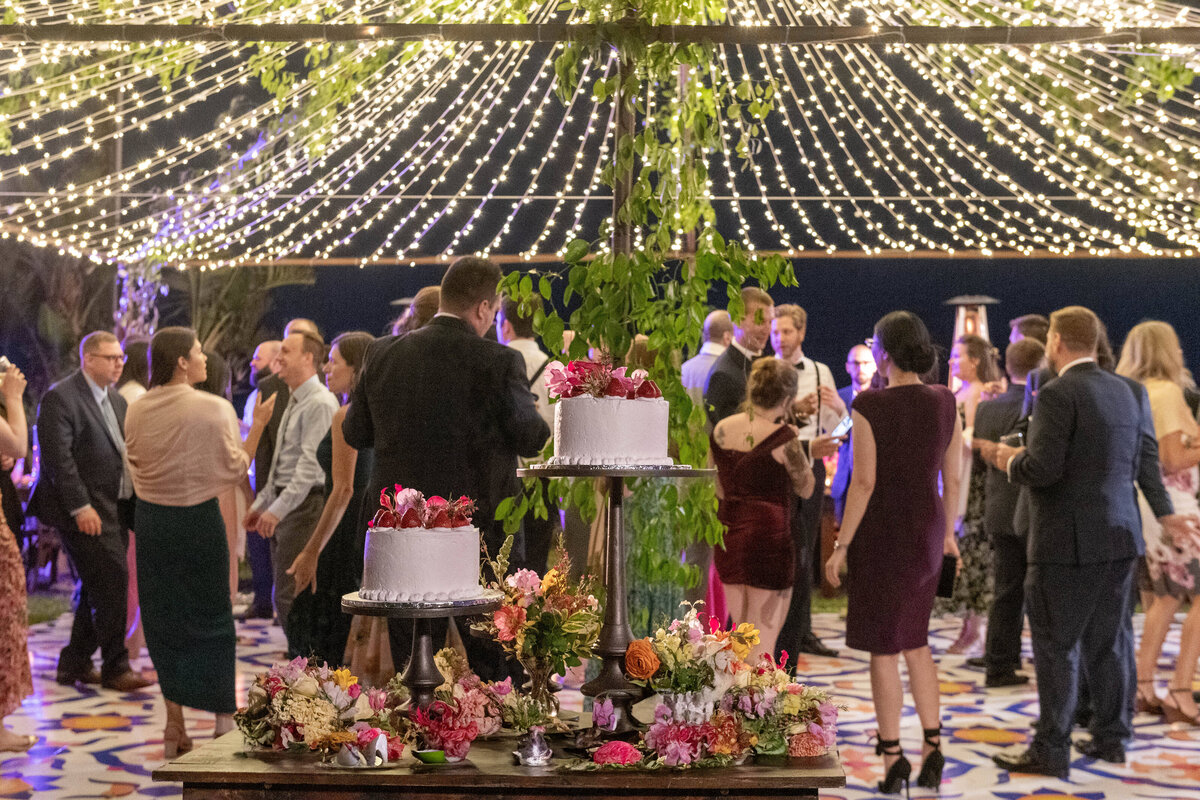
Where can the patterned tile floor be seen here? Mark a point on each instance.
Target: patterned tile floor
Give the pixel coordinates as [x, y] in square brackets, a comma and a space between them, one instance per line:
[105, 744]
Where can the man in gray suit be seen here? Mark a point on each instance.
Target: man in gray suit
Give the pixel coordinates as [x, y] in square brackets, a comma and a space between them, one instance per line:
[718, 333]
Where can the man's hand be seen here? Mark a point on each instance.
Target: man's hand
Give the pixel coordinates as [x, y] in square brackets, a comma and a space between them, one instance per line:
[88, 521]
[987, 449]
[806, 406]
[831, 399]
[250, 521]
[825, 445]
[266, 525]
[1004, 453]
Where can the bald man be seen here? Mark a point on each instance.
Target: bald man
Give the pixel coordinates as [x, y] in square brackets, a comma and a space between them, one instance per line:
[718, 333]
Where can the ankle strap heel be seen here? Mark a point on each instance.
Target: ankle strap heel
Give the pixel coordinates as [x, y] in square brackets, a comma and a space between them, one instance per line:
[900, 770]
[930, 776]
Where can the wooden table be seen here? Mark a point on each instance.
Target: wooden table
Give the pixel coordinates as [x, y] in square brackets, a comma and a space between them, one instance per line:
[221, 770]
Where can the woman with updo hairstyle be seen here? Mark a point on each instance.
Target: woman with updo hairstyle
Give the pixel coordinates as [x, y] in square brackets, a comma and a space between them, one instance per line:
[895, 531]
[185, 449]
[760, 466]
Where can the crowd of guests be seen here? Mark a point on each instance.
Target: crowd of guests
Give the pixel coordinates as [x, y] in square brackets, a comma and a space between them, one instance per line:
[1022, 480]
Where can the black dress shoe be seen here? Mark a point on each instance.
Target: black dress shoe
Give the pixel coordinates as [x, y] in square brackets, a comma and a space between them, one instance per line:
[256, 613]
[1032, 763]
[1112, 752]
[1083, 718]
[128, 681]
[976, 662]
[68, 679]
[1005, 679]
[813, 646]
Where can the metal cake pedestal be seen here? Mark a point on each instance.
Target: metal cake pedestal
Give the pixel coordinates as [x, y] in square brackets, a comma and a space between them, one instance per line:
[615, 634]
[422, 676]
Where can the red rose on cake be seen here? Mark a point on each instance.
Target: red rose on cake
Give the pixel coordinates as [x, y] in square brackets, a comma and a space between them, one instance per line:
[597, 379]
[408, 508]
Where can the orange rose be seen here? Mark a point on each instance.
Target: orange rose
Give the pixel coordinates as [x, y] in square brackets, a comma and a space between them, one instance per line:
[640, 660]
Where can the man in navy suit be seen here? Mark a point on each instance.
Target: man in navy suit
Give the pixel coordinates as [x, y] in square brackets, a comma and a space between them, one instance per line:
[85, 491]
[993, 419]
[860, 366]
[725, 389]
[1091, 438]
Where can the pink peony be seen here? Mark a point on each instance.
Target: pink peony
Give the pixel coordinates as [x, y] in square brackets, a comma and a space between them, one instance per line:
[377, 699]
[508, 620]
[366, 734]
[457, 741]
[617, 753]
[527, 582]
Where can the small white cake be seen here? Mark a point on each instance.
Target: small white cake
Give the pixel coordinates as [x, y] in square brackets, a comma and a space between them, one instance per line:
[409, 565]
[610, 431]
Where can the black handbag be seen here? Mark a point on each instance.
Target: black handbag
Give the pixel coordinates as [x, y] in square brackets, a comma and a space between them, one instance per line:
[945, 586]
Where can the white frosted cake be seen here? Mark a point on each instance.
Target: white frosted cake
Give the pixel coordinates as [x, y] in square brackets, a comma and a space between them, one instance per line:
[408, 565]
[610, 431]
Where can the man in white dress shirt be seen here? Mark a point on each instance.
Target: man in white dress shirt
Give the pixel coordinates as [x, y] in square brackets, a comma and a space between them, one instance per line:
[818, 395]
[515, 330]
[289, 503]
[718, 333]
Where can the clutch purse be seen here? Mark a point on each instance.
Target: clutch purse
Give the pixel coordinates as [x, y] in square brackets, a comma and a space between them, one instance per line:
[945, 587]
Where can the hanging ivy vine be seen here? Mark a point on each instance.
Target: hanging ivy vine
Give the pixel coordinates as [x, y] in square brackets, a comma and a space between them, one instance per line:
[654, 289]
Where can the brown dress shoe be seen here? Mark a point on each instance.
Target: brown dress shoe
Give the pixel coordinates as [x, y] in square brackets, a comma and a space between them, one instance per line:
[92, 676]
[128, 681]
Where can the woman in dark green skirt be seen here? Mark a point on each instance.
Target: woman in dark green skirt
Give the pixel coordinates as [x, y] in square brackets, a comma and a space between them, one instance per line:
[184, 450]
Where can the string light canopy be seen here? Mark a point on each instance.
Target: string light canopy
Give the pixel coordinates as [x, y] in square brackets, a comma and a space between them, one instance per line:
[213, 151]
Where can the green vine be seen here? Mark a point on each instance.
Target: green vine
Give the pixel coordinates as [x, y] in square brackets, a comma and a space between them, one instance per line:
[655, 290]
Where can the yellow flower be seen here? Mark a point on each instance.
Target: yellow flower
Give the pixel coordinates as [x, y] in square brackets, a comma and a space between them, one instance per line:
[552, 577]
[344, 679]
[791, 704]
[745, 637]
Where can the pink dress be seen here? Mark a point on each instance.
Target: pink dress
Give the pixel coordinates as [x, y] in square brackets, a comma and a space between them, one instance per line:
[16, 683]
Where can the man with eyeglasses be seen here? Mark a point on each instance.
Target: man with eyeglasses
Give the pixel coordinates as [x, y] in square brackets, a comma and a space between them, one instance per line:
[85, 491]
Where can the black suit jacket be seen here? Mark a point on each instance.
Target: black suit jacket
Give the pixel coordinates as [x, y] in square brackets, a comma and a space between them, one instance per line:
[269, 384]
[1091, 438]
[448, 413]
[80, 463]
[993, 419]
[726, 387]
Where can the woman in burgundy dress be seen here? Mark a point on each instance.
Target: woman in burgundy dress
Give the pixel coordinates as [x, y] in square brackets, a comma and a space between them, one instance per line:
[760, 464]
[895, 530]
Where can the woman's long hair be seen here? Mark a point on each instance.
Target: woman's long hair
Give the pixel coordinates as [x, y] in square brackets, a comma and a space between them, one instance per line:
[1151, 350]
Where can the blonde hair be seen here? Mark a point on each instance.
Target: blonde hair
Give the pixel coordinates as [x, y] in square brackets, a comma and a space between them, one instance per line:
[1151, 350]
[794, 312]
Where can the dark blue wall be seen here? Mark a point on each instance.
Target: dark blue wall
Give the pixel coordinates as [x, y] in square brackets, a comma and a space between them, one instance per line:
[844, 298]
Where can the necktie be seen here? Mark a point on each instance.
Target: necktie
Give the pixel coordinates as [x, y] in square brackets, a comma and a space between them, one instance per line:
[114, 431]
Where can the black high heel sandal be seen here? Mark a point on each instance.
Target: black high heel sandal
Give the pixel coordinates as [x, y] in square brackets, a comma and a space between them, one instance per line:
[930, 776]
[900, 769]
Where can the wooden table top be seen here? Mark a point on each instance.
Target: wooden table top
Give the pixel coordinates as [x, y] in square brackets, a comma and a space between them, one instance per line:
[490, 767]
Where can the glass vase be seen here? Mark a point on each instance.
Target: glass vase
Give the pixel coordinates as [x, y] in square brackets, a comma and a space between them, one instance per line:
[539, 671]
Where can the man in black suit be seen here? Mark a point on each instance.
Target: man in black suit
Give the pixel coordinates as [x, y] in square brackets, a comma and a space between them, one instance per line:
[725, 389]
[264, 368]
[85, 491]
[448, 413]
[1091, 438]
[993, 419]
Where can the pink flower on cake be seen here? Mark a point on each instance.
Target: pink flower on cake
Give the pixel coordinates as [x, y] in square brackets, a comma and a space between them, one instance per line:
[597, 379]
[508, 620]
[622, 753]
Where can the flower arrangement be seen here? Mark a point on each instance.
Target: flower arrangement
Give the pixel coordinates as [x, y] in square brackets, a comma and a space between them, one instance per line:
[408, 508]
[785, 716]
[300, 706]
[446, 726]
[690, 656]
[597, 379]
[548, 623]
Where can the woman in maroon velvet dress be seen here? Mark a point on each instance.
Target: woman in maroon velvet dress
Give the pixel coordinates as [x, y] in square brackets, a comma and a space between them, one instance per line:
[760, 464]
[895, 530]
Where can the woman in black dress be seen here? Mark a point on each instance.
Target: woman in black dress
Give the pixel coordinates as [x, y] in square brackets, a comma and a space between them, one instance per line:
[331, 564]
[895, 530]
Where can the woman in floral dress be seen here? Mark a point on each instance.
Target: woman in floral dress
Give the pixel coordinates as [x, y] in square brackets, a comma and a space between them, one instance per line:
[1170, 571]
[15, 680]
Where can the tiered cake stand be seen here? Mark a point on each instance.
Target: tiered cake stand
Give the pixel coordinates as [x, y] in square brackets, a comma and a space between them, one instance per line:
[422, 676]
[615, 634]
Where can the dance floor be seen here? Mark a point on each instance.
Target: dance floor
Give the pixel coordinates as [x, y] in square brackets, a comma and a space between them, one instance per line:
[100, 743]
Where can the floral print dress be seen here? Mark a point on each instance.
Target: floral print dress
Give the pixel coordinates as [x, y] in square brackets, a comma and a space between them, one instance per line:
[16, 683]
[1171, 568]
